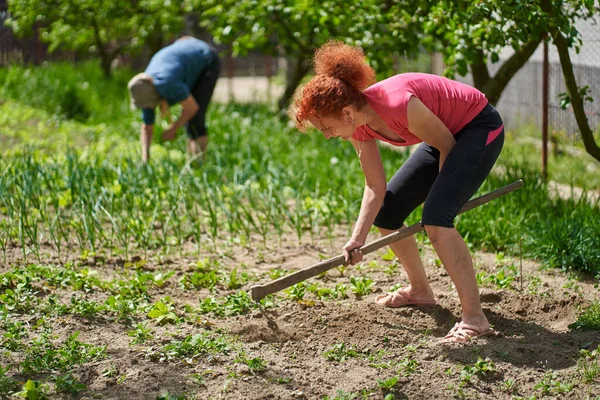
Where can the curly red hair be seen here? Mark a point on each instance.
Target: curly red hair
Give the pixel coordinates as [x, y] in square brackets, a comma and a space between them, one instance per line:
[341, 75]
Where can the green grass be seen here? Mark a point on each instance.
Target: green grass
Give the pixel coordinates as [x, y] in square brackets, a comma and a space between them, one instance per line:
[568, 162]
[80, 180]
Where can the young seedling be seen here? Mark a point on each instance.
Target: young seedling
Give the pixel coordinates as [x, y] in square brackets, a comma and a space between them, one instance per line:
[361, 286]
[340, 353]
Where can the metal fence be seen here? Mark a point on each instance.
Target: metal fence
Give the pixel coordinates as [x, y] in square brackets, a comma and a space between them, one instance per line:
[521, 101]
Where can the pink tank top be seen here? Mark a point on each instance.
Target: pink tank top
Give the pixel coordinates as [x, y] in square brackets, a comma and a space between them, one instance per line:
[454, 103]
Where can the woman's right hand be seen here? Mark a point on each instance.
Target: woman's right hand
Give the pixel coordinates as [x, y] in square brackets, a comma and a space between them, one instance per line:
[352, 254]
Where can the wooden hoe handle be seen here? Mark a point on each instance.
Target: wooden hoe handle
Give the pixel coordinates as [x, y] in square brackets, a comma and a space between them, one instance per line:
[261, 291]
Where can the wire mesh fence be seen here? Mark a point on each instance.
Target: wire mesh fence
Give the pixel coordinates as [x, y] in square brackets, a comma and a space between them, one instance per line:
[521, 101]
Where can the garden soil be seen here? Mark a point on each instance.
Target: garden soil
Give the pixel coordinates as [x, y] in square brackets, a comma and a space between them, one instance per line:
[292, 336]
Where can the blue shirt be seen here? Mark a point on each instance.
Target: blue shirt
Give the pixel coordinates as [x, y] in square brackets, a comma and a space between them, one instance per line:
[175, 69]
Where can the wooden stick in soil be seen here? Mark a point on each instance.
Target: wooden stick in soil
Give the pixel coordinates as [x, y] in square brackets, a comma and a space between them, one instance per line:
[259, 292]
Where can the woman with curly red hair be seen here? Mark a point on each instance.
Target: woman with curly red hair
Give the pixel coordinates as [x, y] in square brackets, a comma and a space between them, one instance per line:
[460, 135]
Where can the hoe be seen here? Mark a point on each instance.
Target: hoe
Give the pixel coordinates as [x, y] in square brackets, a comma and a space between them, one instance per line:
[261, 291]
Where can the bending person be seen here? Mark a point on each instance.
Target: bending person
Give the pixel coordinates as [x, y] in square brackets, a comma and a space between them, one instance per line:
[460, 135]
[184, 72]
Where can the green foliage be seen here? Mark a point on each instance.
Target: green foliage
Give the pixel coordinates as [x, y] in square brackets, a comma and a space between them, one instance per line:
[551, 385]
[140, 334]
[81, 92]
[42, 355]
[7, 384]
[589, 319]
[361, 286]
[33, 390]
[163, 313]
[297, 292]
[588, 365]
[106, 28]
[191, 346]
[239, 303]
[340, 353]
[389, 383]
[294, 29]
[69, 384]
[256, 364]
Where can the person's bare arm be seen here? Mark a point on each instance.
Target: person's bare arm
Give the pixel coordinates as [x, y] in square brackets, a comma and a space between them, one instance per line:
[190, 108]
[428, 127]
[374, 193]
[145, 139]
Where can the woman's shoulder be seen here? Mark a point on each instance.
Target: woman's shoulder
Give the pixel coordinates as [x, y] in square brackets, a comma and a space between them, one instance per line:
[388, 91]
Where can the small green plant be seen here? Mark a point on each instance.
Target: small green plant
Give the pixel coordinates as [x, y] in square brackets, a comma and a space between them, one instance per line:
[85, 308]
[277, 273]
[7, 384]
[340, 353]
[255, 364]
[68, 384]
[588, 319]
[387, 384]
[43, 355]
[361, 286]
[239, 303]
[340, 291]
[297, 292]
[551, 385]
[190, 347]
[160, 279]
[389, 255]
[169, 396]
[509, 385]
[342, 395]
[391, 269]
[33, 390]
[163, 313]
[408, 365]
[483, 367]
[587, 365]
[111, 371]
[141, 333]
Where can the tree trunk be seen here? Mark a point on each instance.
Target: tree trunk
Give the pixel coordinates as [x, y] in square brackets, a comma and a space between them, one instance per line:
[576, 101]
[493, 87]
[106, 61]
[298, 70]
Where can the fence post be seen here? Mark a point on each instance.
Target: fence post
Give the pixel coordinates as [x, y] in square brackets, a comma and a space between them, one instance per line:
[545, 89]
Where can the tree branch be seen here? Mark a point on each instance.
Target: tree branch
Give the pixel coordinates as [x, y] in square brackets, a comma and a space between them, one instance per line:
[494, 87]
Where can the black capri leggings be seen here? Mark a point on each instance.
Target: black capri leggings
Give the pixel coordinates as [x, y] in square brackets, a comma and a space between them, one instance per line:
[444, 192]
[202, 93]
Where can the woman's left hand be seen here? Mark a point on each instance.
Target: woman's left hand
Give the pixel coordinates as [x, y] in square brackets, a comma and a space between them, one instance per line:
[352, 254]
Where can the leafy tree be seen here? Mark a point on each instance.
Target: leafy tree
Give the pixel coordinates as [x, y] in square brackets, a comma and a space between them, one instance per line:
[291, 28]
[106, 28]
